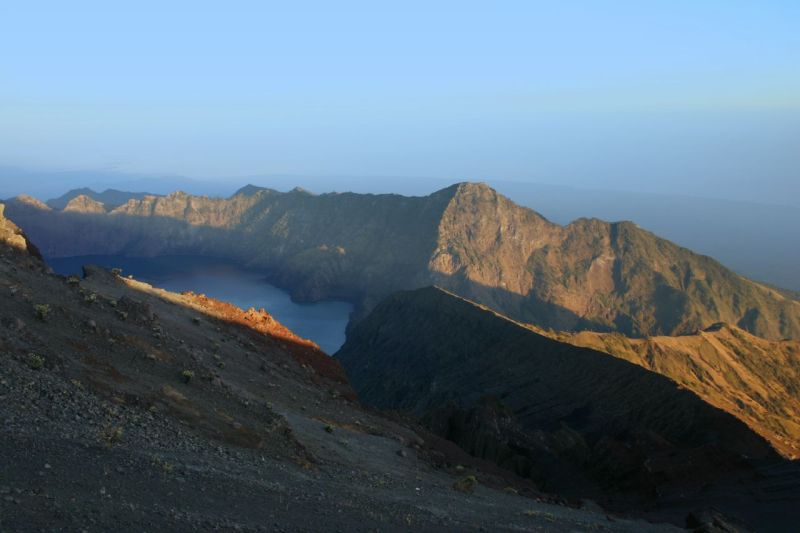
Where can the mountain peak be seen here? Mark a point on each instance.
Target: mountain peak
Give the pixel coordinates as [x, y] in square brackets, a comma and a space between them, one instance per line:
[468, 188]
[249, 190]
[84, 204]
[32, 202]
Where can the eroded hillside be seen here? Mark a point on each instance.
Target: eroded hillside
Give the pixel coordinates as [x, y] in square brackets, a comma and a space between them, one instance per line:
[756, 380]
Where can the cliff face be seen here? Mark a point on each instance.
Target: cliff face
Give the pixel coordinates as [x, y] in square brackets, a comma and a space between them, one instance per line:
[12, 237]
[467, 238]
[574, 419]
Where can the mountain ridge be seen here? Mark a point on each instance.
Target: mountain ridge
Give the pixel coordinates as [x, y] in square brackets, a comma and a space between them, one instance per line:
[589, 274]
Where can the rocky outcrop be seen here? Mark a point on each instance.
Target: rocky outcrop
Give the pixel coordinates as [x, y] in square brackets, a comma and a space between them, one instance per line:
[576, 420]
[467, 238]
[13, 239]
[84, 204]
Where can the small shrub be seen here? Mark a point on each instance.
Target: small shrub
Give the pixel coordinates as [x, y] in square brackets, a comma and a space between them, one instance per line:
[36, 362]
[166, 466]
[42, 310]
[112, 435]
[195, 321]
[116, 271]
[187, 376]
[90, 298]
[329, 428]
[466, 484]
[550, 517]
[73, 280]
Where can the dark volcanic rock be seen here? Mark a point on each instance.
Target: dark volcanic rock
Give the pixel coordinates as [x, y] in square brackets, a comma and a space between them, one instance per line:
[578, 421]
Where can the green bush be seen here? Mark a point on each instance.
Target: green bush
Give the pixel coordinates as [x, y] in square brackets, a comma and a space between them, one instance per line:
[111, 436]
[466, 484]
[42, 310]
[187, 376]
[36, 362]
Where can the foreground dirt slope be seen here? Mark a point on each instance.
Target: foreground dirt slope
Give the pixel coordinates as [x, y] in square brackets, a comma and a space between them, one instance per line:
[577, 421]
[756, 380]
[126, 408]
[589, 274]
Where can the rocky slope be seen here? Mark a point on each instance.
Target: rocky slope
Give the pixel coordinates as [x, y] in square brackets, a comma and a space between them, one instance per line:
[575, 420]
[124, 407]
[12, 238]
[756, 380]
[467, 238]
[84, 204]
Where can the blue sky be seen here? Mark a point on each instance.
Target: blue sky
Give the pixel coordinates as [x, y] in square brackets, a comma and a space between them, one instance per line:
[675, 96]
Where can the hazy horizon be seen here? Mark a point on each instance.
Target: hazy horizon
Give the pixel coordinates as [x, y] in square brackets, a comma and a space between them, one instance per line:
[701, 99]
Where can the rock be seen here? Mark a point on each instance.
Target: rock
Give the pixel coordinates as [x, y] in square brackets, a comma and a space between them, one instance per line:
[712, 521]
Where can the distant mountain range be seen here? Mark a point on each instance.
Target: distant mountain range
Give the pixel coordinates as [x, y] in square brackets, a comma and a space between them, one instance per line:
[110, 198]
[467, 238]
[756, 240]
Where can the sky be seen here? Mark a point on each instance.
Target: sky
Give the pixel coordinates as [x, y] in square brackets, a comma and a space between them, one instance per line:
[698, 97]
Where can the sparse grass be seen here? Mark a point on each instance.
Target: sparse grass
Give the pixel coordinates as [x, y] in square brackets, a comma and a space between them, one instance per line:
[466, 484]
[550, 517]
[187, 376]
[165, 466]
[35, 362]
[42, 310]
[111, 436]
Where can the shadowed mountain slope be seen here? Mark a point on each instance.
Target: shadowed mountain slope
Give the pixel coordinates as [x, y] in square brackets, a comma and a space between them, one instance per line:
[576, 420]
[467, 238]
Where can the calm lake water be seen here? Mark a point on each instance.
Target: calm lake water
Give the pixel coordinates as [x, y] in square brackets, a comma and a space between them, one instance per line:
[322, 322]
